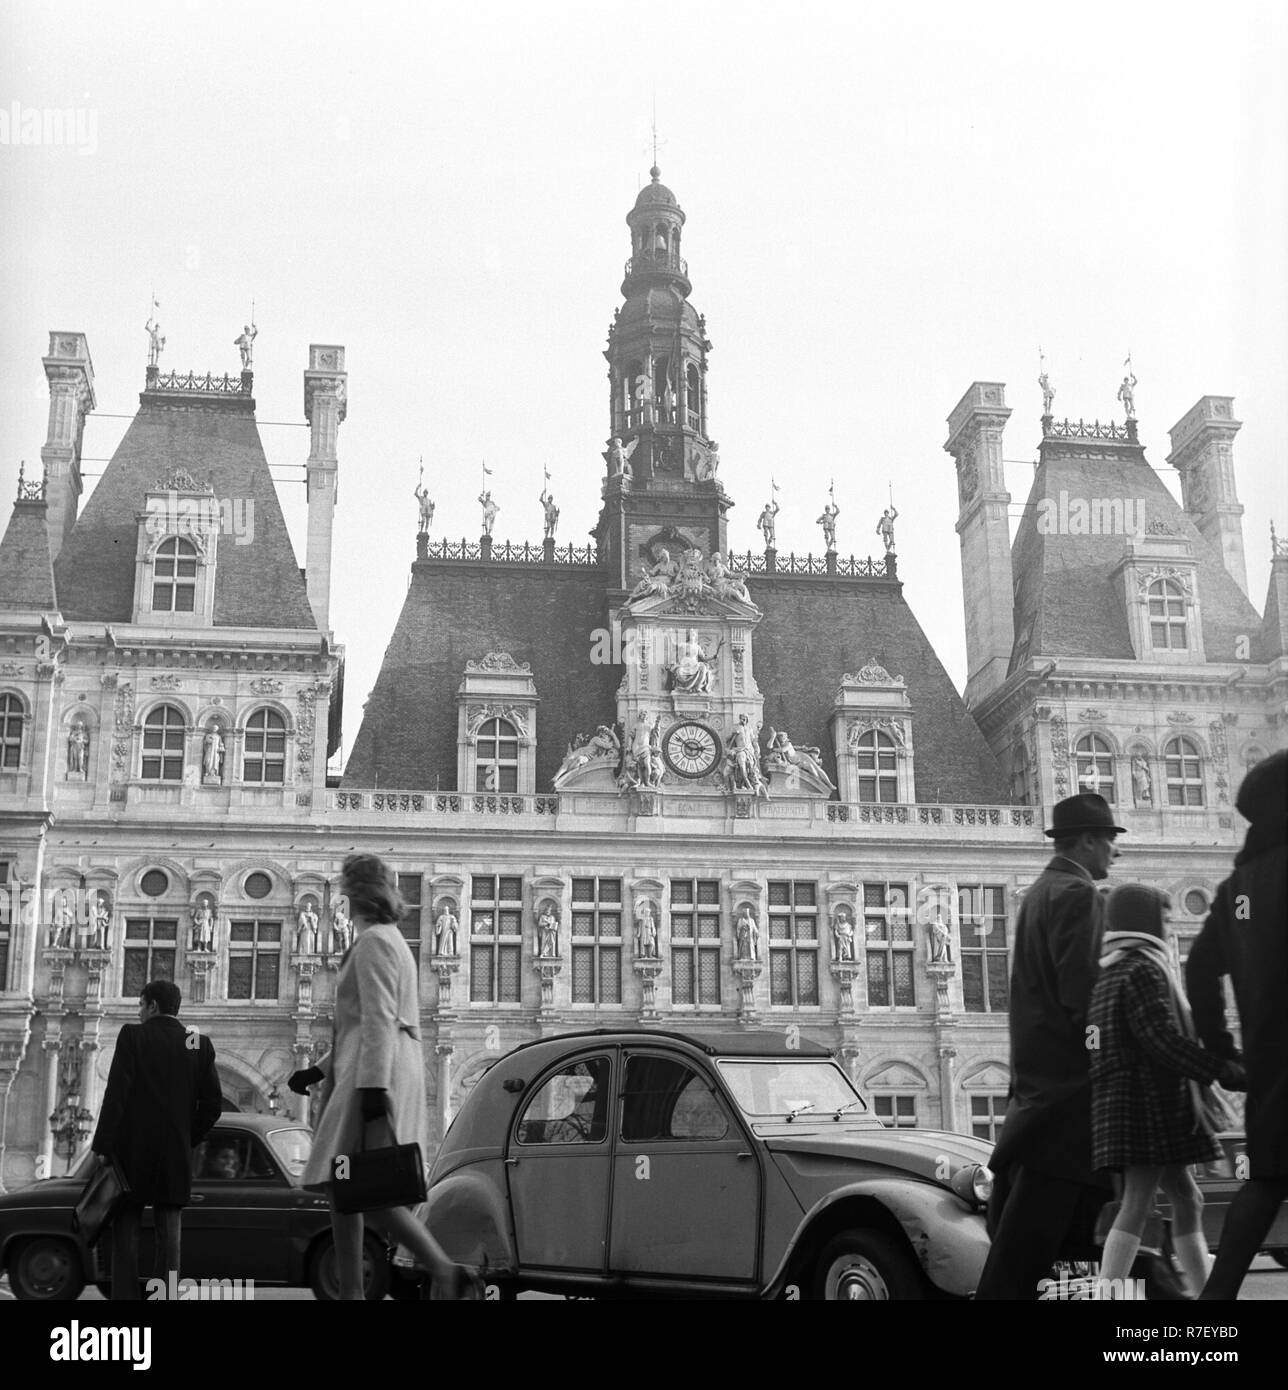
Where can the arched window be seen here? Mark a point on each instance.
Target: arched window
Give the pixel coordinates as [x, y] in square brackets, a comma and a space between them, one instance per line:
[174, 577]
[1020, 774]
[634, 400]
[693, 398]
[264, 759]
[659, 241]
[1095, 762]
[163, 740]
[1167, 628]
[11, 717]
[497, 757]
[877, 760]
[1184, 766]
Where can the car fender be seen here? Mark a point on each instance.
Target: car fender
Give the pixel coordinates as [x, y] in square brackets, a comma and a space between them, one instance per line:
[16, 1234]
[948, 1240]
[468, 1214]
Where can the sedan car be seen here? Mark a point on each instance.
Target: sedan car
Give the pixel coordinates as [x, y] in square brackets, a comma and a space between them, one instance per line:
[653, 1163]
[1219, 1181]
[248, 1219]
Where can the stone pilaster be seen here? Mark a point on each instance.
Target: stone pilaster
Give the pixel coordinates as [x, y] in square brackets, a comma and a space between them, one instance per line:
[70, 375]
[326, 395]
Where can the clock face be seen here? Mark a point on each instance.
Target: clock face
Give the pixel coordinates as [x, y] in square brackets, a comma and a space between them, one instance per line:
[691, 749]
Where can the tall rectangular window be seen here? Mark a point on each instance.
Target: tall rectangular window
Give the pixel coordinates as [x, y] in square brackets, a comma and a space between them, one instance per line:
[597, 941]
[254, 959]
[793, 942]
[496, 938]
[984, 948]
[887, 931]
[695, 941]
[150, 944]
[409, 922]
[9, 889]
[986, 1115]
[895, 1111]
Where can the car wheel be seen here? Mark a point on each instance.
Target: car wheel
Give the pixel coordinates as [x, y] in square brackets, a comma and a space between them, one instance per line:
[1280, 1257]
[867, 1266]
[324, 1277]
[46, 1269]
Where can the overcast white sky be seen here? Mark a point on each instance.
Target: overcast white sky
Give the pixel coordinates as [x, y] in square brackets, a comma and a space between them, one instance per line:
[884, 204]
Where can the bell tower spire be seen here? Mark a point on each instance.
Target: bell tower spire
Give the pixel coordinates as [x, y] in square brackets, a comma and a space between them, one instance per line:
[657, 369]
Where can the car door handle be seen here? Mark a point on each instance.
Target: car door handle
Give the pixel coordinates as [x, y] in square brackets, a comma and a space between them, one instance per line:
[744, 1154]
[510, 1161]
[197, 1197]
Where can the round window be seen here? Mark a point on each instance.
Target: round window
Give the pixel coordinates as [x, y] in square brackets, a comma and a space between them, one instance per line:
[258, 885]
[1196, 903]
[154, 883]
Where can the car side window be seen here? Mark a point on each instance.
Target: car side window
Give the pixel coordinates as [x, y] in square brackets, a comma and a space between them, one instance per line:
[665, 1099]
[570, 1107]
[221, 1158]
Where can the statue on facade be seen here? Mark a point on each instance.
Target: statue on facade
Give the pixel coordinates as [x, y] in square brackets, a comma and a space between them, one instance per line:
[644, 395]
[766, 523]
[1141, 783]
[619, 457]
[1048, 392]
[748, 934]
[742, 753]
[306, 929]
[212, 754]
[828, 522]
[100, 925]
[941, 945]
[784, 753]
[658, 577]
[726, 583]
[156, 343]
[446, 927]
[548, 932]
[842, 935]
[203, 926]
[644, 766]
[693, 670]
[341, 927]
[551, 511]
[490, 510]
[645, 928]
[64, 923]
[708, 464]
[245, 342]
[885, 527]
[77, 750]
[1127, 393]
[603, 743]
[426, 504]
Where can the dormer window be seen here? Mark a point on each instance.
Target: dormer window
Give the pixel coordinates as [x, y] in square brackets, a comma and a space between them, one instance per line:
[1184, 767]
[1167, 619]
[877, 760]
[174, 581]
[497, 757]
[163, 744]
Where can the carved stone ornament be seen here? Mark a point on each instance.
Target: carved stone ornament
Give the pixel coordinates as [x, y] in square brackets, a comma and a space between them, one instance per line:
[166, 682]
[894, 727]
[1158, 527]
[872, 674]
[498, 661]
[179, 480]
[1092, 716]
[478, 715]
[266, 685]
[1177, 576]
[1180, 717]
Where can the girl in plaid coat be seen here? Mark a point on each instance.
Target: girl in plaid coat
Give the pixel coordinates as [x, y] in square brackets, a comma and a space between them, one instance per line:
[1151, 1106]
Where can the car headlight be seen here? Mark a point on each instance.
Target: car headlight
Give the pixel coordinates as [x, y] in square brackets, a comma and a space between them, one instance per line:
[973, 1183]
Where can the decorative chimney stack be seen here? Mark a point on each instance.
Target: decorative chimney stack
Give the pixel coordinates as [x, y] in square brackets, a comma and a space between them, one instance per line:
[326, 392]
[1203, 454]
[70, 374]
[975, 442]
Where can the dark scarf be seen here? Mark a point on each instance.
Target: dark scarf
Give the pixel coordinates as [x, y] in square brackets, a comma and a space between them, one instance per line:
[1261, 839]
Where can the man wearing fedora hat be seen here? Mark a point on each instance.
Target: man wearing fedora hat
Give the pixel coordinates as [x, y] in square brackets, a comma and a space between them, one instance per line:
[1045, 1189]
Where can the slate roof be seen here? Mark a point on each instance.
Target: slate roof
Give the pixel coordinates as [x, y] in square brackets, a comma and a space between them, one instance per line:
[256, 584]
[26, 570]
[1063, 583]
[813, 631]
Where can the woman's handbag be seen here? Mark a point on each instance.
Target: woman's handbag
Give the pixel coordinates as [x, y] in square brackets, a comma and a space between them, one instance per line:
[103, 1194]
[372, 1179]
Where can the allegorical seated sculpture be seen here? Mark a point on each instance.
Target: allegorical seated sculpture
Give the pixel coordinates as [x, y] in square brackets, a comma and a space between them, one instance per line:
[693, 670]
[783, 753]
[657, 578]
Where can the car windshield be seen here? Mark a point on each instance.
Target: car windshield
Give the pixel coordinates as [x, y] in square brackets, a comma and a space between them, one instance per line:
[780, 1088]
[291, 1148]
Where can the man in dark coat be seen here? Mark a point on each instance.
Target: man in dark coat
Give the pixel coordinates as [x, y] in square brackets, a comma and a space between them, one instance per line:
[1246, 937]
[1045, 1189]
[162, 1098]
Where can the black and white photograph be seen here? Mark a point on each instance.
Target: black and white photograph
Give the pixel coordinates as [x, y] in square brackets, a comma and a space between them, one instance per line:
[643, 657]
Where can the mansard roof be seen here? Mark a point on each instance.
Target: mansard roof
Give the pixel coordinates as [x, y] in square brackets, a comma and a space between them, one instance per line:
[813, 632]
[1066, 601]
[26, 569]
[257, 583]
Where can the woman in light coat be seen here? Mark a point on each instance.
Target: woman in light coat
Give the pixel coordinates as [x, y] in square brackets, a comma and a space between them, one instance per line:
[373, 1077]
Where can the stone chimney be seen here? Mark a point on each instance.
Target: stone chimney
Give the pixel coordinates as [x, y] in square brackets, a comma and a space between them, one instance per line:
[70, 374]
[1203, 454]
[326, 392]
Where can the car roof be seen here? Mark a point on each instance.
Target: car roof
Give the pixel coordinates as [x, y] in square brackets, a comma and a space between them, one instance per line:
[260, 1124]
[749, 1042]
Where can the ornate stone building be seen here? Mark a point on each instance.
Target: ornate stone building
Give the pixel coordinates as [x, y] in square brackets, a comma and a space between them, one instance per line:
[647, 781]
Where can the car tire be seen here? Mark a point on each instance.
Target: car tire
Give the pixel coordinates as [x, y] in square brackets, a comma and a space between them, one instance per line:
[46, 1269]
[324, 1278]
[867, 1266]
